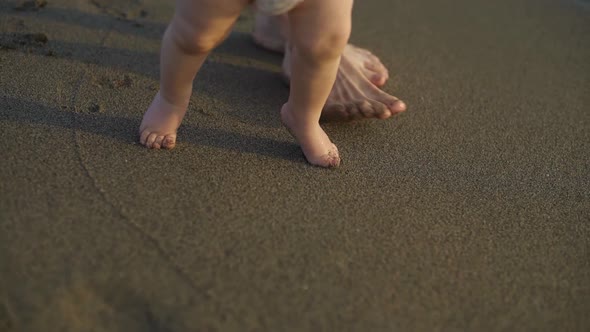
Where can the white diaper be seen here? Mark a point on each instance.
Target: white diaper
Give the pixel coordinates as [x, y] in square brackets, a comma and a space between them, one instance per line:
[276, 7]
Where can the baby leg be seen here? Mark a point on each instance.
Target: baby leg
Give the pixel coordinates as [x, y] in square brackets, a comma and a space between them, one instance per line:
[197, 27]
[319, 31]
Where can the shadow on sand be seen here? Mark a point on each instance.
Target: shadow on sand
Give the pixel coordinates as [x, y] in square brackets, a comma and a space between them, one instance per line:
[125, 129]
[257, 93]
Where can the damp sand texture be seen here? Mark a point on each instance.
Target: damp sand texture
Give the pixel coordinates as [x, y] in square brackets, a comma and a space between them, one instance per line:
[469, 212]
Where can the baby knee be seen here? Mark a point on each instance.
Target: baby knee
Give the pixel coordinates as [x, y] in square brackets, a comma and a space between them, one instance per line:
[192, 39]
[324, 46]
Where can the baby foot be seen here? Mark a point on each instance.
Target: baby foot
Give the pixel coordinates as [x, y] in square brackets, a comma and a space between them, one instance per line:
[160, 123]
[316, 146]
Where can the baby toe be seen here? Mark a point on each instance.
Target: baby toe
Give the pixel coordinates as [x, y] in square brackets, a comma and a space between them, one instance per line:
[169, 142]
[143, 136]
[334, 157]
[158, 142]
[150, 140]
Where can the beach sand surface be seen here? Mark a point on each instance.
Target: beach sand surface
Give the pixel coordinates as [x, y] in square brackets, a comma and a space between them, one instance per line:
[469, 212]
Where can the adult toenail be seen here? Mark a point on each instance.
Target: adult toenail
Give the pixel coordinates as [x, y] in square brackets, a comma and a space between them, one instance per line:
[401, 105]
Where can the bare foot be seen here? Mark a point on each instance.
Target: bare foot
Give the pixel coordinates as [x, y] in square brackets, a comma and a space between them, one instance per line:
[316, 146]
[370, 65]
[356, 94]
[160, 123]
[355, 97]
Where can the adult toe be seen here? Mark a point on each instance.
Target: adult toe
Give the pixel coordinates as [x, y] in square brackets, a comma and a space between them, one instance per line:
[366, 108]
[334, 112]
[380, 110]
[398, 106]
[375, 71]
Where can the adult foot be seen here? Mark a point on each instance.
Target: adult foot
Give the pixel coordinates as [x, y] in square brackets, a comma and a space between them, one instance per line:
[316, 145]
[354, 96]
[370, 66]
[160, 123]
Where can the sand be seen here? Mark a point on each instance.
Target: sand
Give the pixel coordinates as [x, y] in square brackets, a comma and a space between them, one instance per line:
[469, 212]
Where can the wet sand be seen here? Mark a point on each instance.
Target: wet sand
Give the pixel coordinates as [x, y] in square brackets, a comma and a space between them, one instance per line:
[470, 212]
